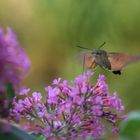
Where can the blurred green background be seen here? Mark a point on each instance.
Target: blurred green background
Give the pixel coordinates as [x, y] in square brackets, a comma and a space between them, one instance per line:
[49, 30]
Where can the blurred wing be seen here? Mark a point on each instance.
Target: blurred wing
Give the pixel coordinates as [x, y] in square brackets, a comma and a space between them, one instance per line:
[87, 59]
[119, 60]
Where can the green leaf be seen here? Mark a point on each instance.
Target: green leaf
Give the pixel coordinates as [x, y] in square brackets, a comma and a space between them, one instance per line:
[130, 129]
[15, 134]
[39, 136]
[10, 91]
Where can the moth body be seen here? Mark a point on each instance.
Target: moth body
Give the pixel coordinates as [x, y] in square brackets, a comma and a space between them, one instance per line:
[112, 61]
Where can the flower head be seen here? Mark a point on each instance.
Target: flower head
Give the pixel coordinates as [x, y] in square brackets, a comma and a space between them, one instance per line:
[14, 63]
[71, 111]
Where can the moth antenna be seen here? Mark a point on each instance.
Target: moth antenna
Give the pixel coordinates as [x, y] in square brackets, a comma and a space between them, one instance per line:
[102, 45]
[84, 48]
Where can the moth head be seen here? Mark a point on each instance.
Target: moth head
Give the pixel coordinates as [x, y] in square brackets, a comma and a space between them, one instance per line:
[98, 52]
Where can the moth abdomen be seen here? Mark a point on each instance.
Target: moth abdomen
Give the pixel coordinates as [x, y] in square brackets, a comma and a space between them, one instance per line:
[117, 72]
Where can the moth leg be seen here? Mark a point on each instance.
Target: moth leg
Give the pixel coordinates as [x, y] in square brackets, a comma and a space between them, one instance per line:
[93, 65]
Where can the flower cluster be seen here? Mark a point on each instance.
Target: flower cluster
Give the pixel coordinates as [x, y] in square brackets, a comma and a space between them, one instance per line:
[14, 63]
[69, 111]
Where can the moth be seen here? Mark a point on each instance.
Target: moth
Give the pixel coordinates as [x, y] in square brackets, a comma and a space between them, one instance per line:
[112, 61]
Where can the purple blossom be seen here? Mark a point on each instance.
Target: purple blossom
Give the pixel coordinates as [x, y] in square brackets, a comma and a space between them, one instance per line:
[64, 87]
[116, 102]
[99, 100]
[46, 131]
[73, 91]
[115, 129]
[52, 94]
[70, 111]
[89, 73]
[24, 91]
[97, 110]
[36, 96]
[78, 100]
[27, 102]
[14, 63]
[41, 114]
[80, 79]
[56, 81]
[65, 106]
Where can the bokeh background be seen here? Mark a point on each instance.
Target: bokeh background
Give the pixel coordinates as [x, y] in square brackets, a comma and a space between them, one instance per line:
[49, 30]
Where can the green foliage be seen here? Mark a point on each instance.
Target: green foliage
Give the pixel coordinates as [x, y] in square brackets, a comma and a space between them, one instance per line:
[15, 133]
[39, 136]
[10, 91]
[130, 129]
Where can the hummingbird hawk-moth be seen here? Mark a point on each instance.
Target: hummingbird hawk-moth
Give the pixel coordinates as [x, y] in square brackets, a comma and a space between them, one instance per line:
[112, 61]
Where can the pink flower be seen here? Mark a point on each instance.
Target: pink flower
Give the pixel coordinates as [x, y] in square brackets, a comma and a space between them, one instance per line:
[71, 111]
[14, 63]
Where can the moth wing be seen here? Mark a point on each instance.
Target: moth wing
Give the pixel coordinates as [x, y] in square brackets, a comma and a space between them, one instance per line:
[88, 60]
[119, 60]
